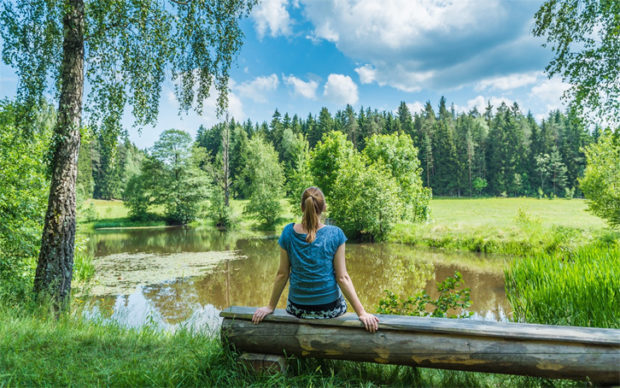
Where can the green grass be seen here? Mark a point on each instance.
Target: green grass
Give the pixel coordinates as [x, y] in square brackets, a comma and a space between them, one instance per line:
[99, 213]
[500, 212]
[576, 288]
[104, 209]
[38, 350]
[113, 214]
[514, 226]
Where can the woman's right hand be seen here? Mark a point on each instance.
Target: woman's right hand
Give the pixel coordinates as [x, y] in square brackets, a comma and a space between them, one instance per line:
[371, 323]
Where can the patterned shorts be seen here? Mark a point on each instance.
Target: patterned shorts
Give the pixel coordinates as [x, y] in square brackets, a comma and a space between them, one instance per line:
[323, 311]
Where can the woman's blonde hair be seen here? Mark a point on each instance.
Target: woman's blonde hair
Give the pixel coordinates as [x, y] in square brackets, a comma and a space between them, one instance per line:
[312, 205]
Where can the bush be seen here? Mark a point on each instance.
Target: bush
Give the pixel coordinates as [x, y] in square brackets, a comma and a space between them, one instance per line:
[220, 213]
[479, 185]
[397, 153]
[365, 200]
[601, 179]
[450, 299]
[329, 156]
[368, 193]
[23, 199]
[83, 266]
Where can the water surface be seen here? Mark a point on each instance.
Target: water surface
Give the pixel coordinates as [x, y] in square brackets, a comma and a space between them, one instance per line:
[179, 275]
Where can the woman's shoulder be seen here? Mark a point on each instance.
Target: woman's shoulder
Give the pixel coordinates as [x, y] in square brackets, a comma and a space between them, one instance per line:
[288, 228]
[334, 230]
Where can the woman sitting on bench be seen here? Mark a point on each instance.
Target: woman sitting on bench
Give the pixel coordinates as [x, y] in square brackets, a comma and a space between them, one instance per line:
[312, 256]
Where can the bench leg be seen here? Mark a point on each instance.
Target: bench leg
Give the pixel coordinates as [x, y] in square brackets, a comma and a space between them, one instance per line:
[265, 363]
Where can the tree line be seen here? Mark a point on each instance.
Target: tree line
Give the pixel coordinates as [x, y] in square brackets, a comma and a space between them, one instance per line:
[498, 152]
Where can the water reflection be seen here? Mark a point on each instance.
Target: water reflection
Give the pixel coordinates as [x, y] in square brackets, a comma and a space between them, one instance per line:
[138, 310]
[247, 278]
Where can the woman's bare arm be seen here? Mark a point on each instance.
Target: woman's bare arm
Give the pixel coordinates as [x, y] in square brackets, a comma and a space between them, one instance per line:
[278, 286]
[371, 323]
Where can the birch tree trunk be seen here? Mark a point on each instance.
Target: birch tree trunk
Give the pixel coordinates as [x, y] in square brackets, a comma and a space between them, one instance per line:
[55, 265]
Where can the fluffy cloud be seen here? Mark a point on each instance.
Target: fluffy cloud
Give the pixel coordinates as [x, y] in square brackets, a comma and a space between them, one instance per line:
[481, 103]
[271, 16]
[415, 107]
[302, 88]
[549, 92]
[367, 74]
[341, 89]
[509, 82]
[234, 109]
[413, 44]
[257, 88]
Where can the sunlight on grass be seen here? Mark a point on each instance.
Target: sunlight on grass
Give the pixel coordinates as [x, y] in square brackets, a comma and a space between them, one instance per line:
[501, 212]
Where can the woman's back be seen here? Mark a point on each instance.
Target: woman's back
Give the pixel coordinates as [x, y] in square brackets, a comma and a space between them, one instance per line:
[315, 264]
[312, 278]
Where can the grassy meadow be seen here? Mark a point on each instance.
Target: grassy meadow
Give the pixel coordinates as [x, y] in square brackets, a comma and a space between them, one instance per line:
[39, 350]
[511, 226]
[99, 213]
[455, 215]
[467, 213]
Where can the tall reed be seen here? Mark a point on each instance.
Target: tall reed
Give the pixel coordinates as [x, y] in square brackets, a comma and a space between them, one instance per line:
[578, 288]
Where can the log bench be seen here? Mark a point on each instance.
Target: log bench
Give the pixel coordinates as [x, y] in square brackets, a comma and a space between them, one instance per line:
[461, 344]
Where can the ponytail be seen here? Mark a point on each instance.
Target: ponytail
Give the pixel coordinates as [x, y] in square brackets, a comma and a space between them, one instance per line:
[312, 205]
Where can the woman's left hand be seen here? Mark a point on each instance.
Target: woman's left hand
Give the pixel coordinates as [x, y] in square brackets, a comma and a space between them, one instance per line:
[260, 314]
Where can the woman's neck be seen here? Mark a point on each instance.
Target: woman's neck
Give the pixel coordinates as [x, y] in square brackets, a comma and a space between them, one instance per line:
[299, 228]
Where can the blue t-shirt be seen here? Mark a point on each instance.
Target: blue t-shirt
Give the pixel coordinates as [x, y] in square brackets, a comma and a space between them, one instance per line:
[312, 281]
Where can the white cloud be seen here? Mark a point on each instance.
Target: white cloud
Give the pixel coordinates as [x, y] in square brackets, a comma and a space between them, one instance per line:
[302, 88]
[367, 74]
[172, 98]
[415, 107]
[233, 110]
[414, 44]
[549, 92]
[540, 117]
[271, 16]
[258, 88]
[480, 103]
[379, 22]
[341, 89]
[235, 107]
[509, 82]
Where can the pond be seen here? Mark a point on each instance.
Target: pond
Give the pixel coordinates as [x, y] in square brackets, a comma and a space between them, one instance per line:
[172, 276]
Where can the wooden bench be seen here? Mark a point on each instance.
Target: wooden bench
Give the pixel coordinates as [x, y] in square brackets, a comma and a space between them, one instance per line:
[462, 344]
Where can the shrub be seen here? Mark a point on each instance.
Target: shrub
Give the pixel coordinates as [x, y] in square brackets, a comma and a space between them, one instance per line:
[23, 198]
[365, 200]
[449, 299]
[397, 153]
[601, 179]
[328, 157]
[368, 193]
[220, 213]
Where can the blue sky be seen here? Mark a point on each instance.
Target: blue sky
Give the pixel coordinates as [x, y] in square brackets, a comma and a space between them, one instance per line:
[301, 55]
